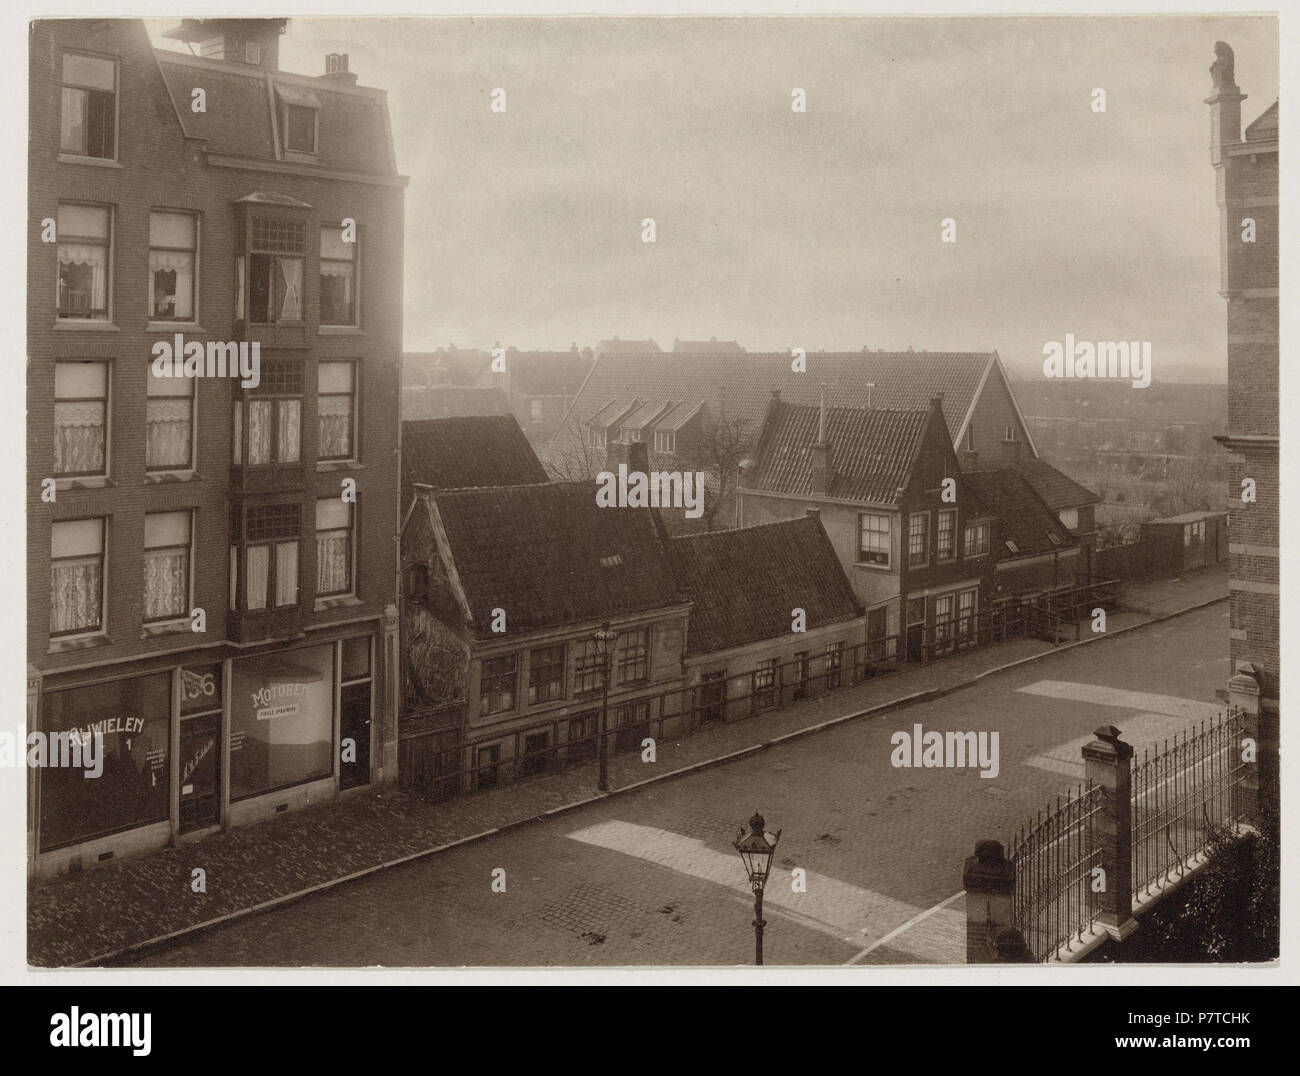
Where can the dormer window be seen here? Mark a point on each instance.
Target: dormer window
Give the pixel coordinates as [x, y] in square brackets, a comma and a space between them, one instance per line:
[299, 116]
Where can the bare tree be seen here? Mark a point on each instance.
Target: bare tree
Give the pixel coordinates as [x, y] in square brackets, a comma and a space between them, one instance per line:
[717, 447]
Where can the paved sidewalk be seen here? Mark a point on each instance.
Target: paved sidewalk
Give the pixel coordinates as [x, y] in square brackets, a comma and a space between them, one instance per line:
[90, 917]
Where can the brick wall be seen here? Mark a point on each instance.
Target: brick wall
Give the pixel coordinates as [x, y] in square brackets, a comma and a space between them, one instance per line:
[162, 170]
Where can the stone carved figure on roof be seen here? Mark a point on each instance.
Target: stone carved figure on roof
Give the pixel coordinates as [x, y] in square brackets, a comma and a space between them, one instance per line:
[1222, 68]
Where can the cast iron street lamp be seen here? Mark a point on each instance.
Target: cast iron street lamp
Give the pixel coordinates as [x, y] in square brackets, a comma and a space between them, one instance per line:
[604, 640]
[756, 851]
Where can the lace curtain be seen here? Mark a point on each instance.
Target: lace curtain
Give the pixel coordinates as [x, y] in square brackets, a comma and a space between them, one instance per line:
[286, 573]
[332, 563]
[76, 593]
[259, 431]
[335, 426]
[167, 434]
[257, 560]
[291, 280]
[83, 277]
[166, 583]
[290, 433]
[336, 292]
[176, 296]
[78, 438]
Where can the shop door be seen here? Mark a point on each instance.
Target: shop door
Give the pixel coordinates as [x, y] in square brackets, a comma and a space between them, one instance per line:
[354, 725]
[200, 747]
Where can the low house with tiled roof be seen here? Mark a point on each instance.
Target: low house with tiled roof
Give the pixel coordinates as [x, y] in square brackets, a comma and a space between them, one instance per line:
[451, 401]
[888, 489]
[455, 453]
[774, 618]
[730, 390]
[506, 588]
[914, 550]
[1073, 503]
[1034, 552]
[540, 385]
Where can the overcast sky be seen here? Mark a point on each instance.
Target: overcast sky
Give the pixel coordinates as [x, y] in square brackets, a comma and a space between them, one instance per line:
[818, 230]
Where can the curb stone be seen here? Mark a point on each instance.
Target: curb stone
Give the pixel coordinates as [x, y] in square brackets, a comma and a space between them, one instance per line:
[695, 767]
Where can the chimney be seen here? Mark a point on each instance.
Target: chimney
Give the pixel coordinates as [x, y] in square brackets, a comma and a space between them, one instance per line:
[1225, 104]
[813, 513]
[1011, 451]
[336, 68]
[821, 453]
[633, 453]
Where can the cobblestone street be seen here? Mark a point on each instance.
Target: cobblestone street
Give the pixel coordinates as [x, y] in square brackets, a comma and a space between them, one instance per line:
[650, 877]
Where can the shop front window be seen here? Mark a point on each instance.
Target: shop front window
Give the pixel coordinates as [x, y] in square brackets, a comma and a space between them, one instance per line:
[133, 719]
[281, 720]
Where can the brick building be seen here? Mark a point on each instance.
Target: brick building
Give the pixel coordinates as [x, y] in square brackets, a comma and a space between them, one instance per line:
[742, 654]
[507, 586]
[1246, 185]
[923, 562]
[209, 197]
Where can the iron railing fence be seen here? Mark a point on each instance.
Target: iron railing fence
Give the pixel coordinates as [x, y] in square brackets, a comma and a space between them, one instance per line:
[1054, 904]
[1182, 795]
[438, 755]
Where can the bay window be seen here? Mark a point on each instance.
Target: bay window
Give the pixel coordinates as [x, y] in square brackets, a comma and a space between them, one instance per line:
[266, 553]
[273, 414]
[269, 276]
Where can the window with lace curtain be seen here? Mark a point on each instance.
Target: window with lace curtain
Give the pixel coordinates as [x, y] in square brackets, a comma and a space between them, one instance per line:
[77, 576]
[173, 242]
[85, 259]
[80, 419]
[270, 279]
[273, 412]
[267, 555]
[338, 277]
[169, 423]
[336, 410]
[334, 547]
[166, 565]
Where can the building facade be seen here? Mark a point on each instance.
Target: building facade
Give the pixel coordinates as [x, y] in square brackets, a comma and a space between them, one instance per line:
[1246, 185]
[212, 558]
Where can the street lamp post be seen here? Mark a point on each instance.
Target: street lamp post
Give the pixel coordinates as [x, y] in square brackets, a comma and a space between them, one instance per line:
[604, 639]
[756, 852]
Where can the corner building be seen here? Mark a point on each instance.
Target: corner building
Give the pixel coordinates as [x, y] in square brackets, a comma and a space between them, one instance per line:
[212, 569]
[1246, 187]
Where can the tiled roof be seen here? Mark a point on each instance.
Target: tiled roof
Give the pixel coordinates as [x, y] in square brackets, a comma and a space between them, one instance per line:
[1057, 489]
[871, 451]
[452, 401]
[740, 385]
[646, 415]
[453, 453]
[549, 556]
[708, 347]
[1264, 126]
[1023, 516]
[627, 347]
[353, 122]
[547, 373]
[746, 582]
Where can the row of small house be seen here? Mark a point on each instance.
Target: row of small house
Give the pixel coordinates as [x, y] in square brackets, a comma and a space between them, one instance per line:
[863, 546]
